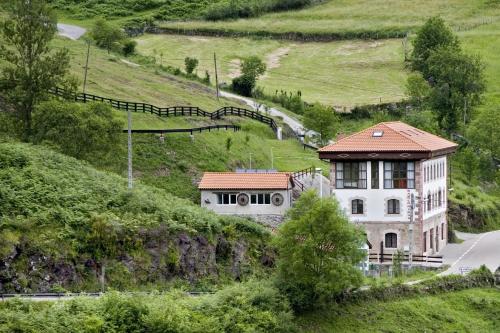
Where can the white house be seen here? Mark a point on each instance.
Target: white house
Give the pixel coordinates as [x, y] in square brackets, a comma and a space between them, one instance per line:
[377, 174]
[259, 193]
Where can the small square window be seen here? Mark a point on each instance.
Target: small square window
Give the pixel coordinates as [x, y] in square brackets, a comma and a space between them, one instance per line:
[378, 134]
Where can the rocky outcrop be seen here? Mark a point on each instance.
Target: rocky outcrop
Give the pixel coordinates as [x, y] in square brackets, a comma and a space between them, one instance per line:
[161, 257]
[465, 218]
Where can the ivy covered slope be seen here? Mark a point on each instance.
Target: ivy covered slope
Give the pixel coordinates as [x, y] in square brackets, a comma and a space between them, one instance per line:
[62, 220]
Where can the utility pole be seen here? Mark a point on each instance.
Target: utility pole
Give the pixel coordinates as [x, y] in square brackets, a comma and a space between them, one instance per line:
[272, 158]
[130, 180]
[86, 67]
[410, 230]
[216, 76]
[250, 161]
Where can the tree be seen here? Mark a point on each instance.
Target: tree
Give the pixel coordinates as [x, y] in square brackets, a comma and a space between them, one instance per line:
[322, 120]
[434, 34]
[417, 89]
[32, 67]
[484, 131]
[106, 35]
[87, 131]
[457, 87]
[318, 252]
[251, 69]
[190, 64]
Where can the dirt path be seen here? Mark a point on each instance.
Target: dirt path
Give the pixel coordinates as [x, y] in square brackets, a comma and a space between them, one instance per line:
[71, 31]
[273, 60]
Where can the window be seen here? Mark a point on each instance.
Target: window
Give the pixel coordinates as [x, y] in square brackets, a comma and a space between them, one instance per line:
[350, 175]
[425, 241]
[357, 206]
[260, 199]
[399, 175]
[431, 239]
[393, 206]
[375, 174]
[391, 240]
[429, 202]
[442, 231]
[440, 198]
[226, 198]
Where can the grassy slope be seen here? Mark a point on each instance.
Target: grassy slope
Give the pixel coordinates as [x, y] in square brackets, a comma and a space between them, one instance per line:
[364, 15]
[109, 76]
[47, 203]
[340, 73]
[475, 310]
[178, 164]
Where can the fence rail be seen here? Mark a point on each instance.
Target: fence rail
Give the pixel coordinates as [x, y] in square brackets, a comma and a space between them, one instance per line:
[186, 130]
[173, 111]
[389, 257]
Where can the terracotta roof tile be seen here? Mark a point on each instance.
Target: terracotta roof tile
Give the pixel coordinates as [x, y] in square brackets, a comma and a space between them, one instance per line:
[245, 181]
[396, 137]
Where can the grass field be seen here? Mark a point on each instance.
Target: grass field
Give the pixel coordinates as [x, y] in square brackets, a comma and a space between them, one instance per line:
[342, 73]
[474, 310]
[110, 76]
[341, 16]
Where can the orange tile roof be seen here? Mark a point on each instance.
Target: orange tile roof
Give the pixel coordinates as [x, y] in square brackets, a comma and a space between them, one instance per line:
[396, 137]
[245, 181]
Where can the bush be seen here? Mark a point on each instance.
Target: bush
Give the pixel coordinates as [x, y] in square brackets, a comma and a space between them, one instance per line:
[128, 47]
[83, 131]
[190, 64]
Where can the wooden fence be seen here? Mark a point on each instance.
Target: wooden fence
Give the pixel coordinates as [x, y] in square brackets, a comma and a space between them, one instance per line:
[186, 130]
[389, 257]
[173, 111]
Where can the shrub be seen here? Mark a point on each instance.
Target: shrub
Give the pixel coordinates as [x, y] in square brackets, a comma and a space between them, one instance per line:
[190, 64]
[128, 47]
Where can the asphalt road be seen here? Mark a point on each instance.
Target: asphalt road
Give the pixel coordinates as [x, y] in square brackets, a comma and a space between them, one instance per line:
[476, 250]
[70, 31]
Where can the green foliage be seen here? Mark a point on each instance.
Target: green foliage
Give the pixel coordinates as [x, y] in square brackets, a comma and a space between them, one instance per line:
[106, 35]
[250, 307]
[87, 131]
[322, 120]
[484, 131]
[318, 251]
[128, 47]
[470, 164]
[458, 84]
[32, 67]
[71, 213]
[229, 143]
[190, 64]
[433, 35]
[417, 89]
[233, 9]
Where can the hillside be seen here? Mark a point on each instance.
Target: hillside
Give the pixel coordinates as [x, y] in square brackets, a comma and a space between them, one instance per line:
[346, 19]
[474, 310]
[53, 207]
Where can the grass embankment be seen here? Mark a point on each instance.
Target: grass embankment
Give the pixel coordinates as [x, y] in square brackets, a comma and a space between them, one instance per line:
[50, 204]
[474, 310]
[346, 19]
[178, 163]
[343, 73]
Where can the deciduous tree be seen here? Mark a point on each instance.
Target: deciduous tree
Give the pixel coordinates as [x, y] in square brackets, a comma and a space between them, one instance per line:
[32, 67]
[318, 252]
[322, 120]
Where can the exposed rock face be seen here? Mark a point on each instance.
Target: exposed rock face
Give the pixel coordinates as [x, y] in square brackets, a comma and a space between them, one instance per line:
[465, 217]
[162, 257]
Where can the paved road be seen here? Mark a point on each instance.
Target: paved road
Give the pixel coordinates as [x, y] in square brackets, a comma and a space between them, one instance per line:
[70, 31]
[476, 250]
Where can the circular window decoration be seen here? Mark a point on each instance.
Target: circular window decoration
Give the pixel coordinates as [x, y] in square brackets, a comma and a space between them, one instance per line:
[243, 199]
[277, 199]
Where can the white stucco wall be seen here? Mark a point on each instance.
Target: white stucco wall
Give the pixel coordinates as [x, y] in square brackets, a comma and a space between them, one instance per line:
[375, 200]
[432, 184]
[209, 200]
